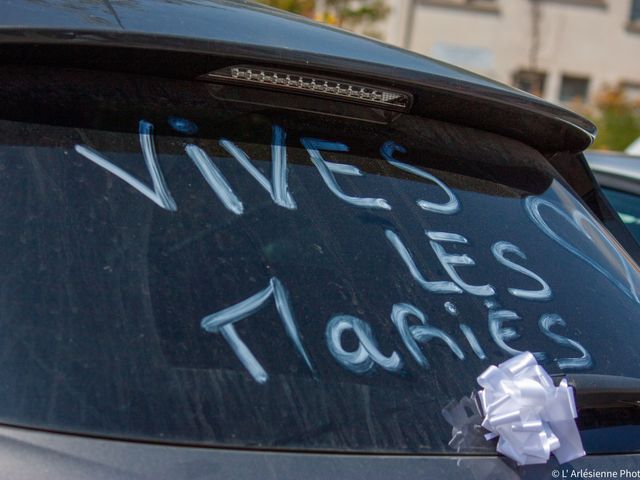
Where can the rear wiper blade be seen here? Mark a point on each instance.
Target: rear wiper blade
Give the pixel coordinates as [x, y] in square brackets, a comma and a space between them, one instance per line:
[602, 391]
[604, 400]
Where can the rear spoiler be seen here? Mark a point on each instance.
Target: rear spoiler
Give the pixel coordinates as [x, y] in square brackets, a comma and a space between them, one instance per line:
[459, 99]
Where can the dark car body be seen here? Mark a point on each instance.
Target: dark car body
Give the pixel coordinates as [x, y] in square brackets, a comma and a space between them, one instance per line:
[113, 361]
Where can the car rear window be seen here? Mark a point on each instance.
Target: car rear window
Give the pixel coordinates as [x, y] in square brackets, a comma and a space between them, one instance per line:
[177, 266]
[627, 205]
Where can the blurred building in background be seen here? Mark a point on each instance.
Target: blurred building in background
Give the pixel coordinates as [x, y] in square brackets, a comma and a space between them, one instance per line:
[561, 50]
[581, 53]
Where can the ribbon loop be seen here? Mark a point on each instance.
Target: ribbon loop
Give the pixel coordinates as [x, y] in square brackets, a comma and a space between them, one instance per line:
[532, 417]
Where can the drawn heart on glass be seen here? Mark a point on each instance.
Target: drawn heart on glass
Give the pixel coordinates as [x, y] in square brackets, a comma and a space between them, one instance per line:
[591, 229]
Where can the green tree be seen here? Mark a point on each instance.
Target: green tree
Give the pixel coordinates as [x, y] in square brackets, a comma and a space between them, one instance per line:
[301, 7]
[618, 120]
[352, 14]
[349, 14]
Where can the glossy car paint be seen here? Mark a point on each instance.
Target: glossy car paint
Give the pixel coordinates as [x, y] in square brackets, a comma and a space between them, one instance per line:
[249, 32]
[28, 454]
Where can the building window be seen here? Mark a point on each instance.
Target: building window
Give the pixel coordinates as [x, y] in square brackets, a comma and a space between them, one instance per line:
[583, 3]
[470, 2]
[634, 17]
[574, 88]
[530, 81]
[631, 92]
[635, 11]
[488, 6]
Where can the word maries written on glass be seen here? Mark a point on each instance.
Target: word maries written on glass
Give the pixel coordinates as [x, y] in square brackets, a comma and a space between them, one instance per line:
[368, 354]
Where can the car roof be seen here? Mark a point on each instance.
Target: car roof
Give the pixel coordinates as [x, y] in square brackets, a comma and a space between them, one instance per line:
[615, 170]
[615, 163]
[244, 29]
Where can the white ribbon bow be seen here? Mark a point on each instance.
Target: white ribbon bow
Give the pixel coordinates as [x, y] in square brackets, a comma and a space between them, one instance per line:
[532, 416]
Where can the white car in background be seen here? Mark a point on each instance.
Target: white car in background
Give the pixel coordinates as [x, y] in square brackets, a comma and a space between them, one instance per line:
[634, 148]
[619, 176]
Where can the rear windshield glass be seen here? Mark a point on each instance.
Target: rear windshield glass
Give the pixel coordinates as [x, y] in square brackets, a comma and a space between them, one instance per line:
[177, 266]
[628, 207]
